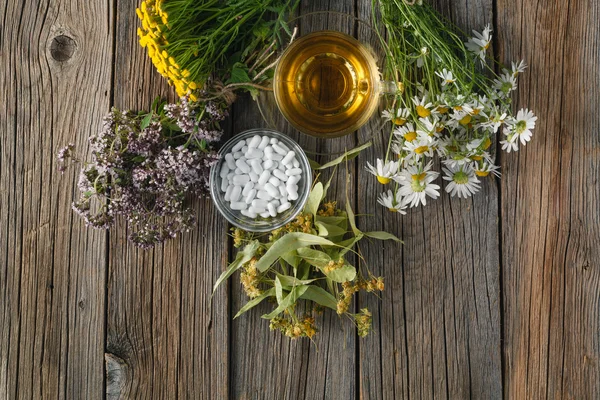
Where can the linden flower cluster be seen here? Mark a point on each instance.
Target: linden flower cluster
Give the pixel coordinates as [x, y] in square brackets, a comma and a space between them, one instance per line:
[455, 122]
[152, 37]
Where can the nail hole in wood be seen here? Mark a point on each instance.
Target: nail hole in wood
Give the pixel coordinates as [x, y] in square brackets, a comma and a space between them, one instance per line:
[62, 48]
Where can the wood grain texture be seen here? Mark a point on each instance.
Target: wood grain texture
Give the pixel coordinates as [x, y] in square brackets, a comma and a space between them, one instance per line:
[550, 204]
[55, 80]
[438, 322]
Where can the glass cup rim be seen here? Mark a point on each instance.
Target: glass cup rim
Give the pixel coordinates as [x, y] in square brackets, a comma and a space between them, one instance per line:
[235, 217]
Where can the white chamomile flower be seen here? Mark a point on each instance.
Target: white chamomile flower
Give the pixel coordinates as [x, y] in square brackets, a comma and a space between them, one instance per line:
[456, 160]
[447, 77]
[505, 84]
[392, 202]
[522, 125]
[423, 107]
[483, 169]
[431, 128]
[416, 184]
[398, 118]
[407, 132]
[494, 123]
[462, 181]
[480, 42]
[384, 171]
[518, 68]
[509, 146]
[420, 147]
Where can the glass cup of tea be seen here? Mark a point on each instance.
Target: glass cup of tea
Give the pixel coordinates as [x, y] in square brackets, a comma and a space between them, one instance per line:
[328, 84]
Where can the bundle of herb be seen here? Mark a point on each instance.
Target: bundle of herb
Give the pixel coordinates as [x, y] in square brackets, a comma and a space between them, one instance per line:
[145, 165]
[305, 262]
[190, 40]
[453, 105]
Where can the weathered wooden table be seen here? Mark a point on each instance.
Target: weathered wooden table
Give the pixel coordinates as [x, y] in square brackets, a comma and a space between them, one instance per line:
[495, 296]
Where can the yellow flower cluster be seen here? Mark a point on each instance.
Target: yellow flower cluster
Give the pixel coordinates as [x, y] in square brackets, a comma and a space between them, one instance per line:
[250, 279]
[328, 209]
[304, 327]
[155, 23]
[333, 265]
[350, 288]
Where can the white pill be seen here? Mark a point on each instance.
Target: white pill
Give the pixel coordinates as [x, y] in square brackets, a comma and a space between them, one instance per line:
[250, 196]
[292, 193]
[293, 180]
[274, 181]
[288, 158]
[268, 150]
[236, 192]
[274, 157]
[260, 203]
[272, 190]
[230, 175]
[241, 180]
[241, 163]
[279, 149]
[283, 191]
[275, 202]
[224, 185]
[224, 171]
[254, 142]
[264, 177]
[228, 192]
[284, 207]
[264, 195]
[244, 149]
[265, 214]
[247, 188]
[273, 141]
[237, 171]
[238, 154]
[244, 212]
[257, 210]
[283, 146]
[264, 142]
[256, 167]
[295, 163]
[272, 209]
[281, 167]
[254, 153]
[280, 175]
[253, 176]
[251, 214]
[238, 146]
[268, 164]
[238, 205]
[230, 161]
[293, 171]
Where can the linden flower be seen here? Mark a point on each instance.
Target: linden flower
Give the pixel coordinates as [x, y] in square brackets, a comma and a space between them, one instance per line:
[522, 125]
[447, 77]
[422, 106]
[407, 132]
[463, 182]
[398, 118]
[416, 185]
[420, 147]
[392, 202]
[383, 172]
[480, 42]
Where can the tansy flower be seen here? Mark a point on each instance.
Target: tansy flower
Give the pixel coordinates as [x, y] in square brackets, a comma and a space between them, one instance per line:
[463, 181]
[383, 172]
[423, 107]
[480, 42]
[416, 184]
[522, 125]
[392, 202]
[447, 77]
[407, 132]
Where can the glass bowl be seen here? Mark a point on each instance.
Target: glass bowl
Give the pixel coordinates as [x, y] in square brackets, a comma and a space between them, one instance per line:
[260, 224]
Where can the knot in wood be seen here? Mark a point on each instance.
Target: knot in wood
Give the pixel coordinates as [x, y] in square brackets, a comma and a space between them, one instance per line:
[62, 48]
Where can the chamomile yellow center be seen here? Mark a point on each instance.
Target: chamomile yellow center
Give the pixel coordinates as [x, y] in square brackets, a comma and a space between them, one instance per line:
[482, 173]
[418, 177]
[466, 120]
[423, 112]
[383, 180]
[442, 110]
[487, 143]
[399, 121]
[421, 149]
[476, 158]
[392, 209]
[410, 136]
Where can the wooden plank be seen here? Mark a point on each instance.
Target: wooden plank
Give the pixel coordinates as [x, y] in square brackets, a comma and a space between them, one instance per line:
[163, 338]
[55, 80]
[265, 364]
[439, 317]
[550, 209]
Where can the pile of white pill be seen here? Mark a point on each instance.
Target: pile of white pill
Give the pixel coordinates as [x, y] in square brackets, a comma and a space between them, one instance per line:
[260, 177]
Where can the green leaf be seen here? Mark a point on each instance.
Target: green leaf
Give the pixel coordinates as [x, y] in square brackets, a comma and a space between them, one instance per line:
[146, 121]
[287, 281]
[321, 229]
[320, 296]
[329, 230]
[351, 218]
[238, 75]
[155, 103]
[291, 258]
[344, 274]
[278, 290]
[287, 302]
[314, 199]
[332, 220]
[255, 301]
[349, 155]
[287, 243]
[314, 257]
[241, 258]
[313, 164]
[381, 235]
[348, 244]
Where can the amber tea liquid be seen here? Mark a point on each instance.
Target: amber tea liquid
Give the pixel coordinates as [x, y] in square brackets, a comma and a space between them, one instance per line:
[326, 84]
